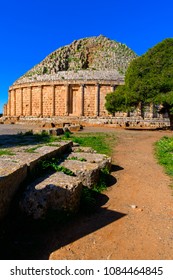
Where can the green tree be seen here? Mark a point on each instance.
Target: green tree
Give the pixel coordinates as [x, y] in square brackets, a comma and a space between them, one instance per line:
[149, 78]
[116, 101]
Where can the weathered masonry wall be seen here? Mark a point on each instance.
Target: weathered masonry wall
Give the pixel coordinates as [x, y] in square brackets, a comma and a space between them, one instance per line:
[55, 98]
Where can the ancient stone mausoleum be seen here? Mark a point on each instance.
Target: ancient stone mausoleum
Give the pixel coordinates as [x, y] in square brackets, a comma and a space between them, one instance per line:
[72, 81]
[60, 98]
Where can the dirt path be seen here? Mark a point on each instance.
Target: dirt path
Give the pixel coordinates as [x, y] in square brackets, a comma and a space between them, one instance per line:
[117, 230]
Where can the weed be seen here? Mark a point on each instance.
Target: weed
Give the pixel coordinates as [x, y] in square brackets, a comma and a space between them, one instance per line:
[76, 158]
[4, 152]
[53, 165]
[67, 134]
[33, 149]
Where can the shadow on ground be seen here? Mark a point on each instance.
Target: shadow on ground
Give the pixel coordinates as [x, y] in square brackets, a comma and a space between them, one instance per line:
[25, 239]
[9, 141]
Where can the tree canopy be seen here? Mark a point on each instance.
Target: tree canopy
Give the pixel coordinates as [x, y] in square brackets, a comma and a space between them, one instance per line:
[116, 101]
[149, 78]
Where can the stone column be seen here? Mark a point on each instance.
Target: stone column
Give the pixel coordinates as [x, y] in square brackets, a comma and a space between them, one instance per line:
[41, 101]
[67, 101]
[82, 100]
[53, 100]
[9, 104]
[30, 105]
[5, 110]
[14, 92]
[97, 100]
[21, 109]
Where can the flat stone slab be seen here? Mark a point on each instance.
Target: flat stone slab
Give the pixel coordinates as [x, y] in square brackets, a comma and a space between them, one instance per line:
[78, 149]
[54, 192]
[101, 160]
[31, 155]
[87, 172]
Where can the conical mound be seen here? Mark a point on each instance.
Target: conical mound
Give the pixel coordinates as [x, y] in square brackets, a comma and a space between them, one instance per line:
[85, 59]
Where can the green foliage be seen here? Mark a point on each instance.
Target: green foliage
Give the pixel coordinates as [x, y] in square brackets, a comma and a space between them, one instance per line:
[149, 78]
[33, 149]
[102, 185]
[76, 158]
[5, 152]
[164, 153]
[116, 101]
[53, 165]
[67, 134]
[100, 142]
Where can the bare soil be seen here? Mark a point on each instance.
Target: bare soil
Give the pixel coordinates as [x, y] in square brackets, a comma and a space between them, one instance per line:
[134, 218]
[136, 222]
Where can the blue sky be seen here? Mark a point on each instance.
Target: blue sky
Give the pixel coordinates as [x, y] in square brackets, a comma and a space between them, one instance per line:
[31, 29]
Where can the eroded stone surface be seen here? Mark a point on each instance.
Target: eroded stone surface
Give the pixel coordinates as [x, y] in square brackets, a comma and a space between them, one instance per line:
[87, 172]
[53, 192]
[57, 191]
[102, 160]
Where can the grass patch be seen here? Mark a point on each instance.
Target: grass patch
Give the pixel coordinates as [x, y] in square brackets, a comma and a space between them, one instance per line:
[32, 150]
[164, 153]
[76, 158]
[53, 165]
[5, 152]
[100, 142]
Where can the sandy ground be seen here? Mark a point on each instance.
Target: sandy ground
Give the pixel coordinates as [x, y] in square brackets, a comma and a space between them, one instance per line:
[118, 230]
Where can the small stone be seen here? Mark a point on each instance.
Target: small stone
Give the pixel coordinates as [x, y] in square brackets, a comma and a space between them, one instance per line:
[133, 206]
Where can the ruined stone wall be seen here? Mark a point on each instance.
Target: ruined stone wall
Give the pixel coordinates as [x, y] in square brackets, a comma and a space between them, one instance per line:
[55, 98]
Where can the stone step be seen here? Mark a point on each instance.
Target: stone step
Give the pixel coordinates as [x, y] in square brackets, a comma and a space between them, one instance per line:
[57, 191]
[16, 168]
[87, 172]
[101, 160]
